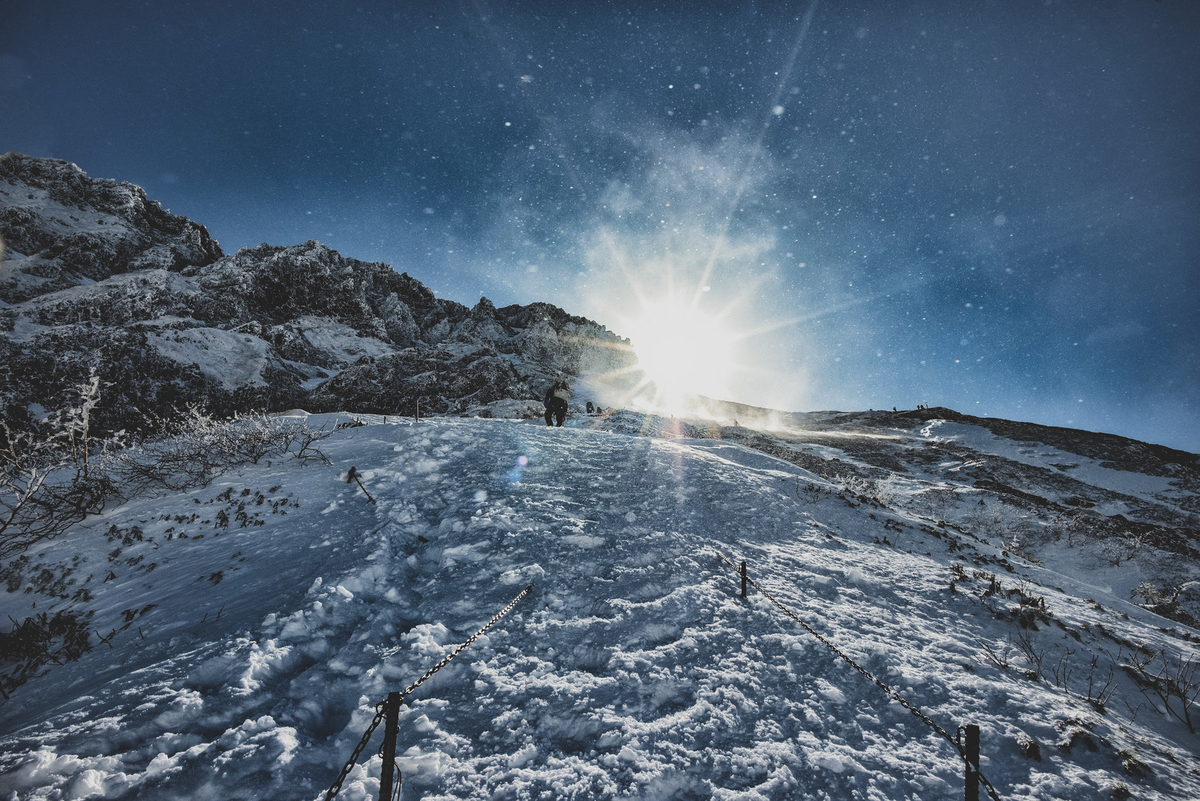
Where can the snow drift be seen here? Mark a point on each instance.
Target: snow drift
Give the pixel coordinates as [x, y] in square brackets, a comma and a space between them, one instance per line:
[251, 626]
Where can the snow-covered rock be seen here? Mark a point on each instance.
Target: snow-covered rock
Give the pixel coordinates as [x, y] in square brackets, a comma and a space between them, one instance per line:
[63, 228]
[97, 277]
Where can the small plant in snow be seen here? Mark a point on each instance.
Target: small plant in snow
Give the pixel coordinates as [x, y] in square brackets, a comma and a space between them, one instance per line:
[1173, 681]
[810, 492]
[30, 646]
[999, 655]
[1164, 601]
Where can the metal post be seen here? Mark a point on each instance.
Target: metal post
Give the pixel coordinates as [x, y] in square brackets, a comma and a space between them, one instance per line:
[418, 414]
[743, 579]
[389, 746]
[971, 746]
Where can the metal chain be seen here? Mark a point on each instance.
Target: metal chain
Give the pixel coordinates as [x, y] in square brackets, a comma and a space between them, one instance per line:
[466, 644]
[895, 696]
[336, 787]
[380, 707]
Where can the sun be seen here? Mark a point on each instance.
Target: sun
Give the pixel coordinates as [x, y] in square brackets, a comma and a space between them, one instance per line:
[681, 351]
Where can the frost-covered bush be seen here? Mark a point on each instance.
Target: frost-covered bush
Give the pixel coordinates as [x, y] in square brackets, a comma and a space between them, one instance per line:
[1165, 601]
[935, 502]
[54, 477]
[198, 447]
[860, 487]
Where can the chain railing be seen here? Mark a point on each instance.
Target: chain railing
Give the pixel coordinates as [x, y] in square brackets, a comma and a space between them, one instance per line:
[971, 767]
[336, 787]
[390, 708]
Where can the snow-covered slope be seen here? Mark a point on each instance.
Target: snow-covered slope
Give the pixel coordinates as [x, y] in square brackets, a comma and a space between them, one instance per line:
[259, 620]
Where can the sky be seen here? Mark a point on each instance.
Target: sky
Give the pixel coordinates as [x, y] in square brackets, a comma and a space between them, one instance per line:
[987, 206]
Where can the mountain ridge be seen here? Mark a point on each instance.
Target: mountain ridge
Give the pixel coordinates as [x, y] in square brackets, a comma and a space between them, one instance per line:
[100, 279]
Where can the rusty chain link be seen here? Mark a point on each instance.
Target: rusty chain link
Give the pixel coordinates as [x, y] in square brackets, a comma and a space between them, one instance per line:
[895, 696]
[336, 787]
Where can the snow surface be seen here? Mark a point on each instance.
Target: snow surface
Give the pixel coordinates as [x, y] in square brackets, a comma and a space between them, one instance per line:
[338, 340]
[1042, 455]
[247, 660]
[231, 358]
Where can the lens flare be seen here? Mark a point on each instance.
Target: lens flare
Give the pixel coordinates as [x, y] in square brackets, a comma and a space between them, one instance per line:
[682, 351]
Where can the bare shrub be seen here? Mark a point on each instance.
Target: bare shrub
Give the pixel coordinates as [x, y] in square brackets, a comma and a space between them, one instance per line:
[1077, 526]
[53, 478]
[30, 646]
[1174, 681]
[1098, 694]
[999, 655]
[1033, 654]
[199, 447]
[1120, 548]
[990, 522]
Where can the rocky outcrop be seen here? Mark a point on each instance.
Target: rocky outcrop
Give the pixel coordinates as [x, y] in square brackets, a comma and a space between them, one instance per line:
[63, 228]
[434, 380]
[101, 279]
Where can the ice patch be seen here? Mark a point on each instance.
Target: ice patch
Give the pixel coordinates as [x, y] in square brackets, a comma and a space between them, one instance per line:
[829, 692]
[416, 762]
[522, 757]
[583, 541]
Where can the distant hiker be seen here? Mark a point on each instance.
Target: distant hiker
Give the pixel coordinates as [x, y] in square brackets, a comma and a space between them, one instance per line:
[590, 409]
[556, 402]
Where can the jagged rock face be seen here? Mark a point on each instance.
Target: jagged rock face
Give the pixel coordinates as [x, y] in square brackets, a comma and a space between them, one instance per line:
[63, 228]
[433, 380]
[120, 301]
[140, 383]
[273, 285]
[100, 278]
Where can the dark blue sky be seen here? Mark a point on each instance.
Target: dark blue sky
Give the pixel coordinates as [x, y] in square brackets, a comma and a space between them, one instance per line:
[991, 206]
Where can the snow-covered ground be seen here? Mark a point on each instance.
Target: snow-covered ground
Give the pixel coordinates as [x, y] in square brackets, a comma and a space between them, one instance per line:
[259, 620]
